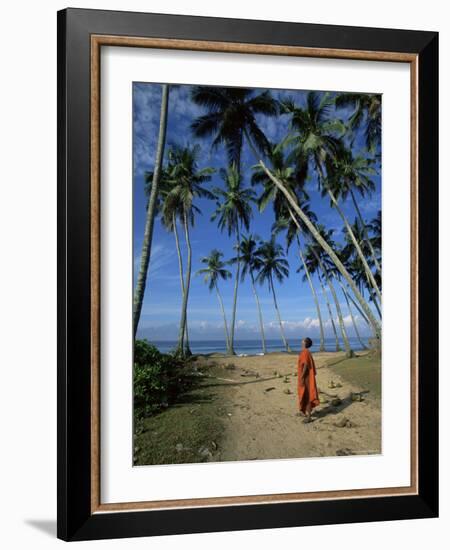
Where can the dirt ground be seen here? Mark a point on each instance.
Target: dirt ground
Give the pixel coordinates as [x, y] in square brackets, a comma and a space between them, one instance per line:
[260, 397]
[244, 408]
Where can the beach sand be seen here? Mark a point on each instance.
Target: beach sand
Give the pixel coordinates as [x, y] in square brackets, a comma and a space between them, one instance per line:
[250, 404]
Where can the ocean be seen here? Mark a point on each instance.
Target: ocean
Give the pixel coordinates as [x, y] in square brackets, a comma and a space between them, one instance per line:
[253, 347]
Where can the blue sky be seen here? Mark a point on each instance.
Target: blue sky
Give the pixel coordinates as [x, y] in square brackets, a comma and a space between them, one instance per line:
[162, 302]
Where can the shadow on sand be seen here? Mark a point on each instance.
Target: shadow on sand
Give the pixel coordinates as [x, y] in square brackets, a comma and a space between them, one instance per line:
[238, 383]
[334, 409]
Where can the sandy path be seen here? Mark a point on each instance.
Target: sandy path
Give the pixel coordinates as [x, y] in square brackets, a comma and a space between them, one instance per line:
[261, 424]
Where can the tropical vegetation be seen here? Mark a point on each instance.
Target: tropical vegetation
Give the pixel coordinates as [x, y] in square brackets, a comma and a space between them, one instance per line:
[330, 145]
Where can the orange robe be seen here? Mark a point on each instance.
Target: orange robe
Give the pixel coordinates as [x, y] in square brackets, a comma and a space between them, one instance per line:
[307, 392]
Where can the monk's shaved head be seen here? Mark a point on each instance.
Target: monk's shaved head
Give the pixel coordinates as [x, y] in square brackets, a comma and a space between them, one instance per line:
[308, 342]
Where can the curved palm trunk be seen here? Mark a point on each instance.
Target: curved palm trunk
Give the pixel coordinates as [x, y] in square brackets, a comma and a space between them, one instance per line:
[316, 301]
[330, 313]
[258, 305]
[236, 286]
[375, 302]
[186, 287]
[233, 314]
[326, 247]
[355, 243]
[180, 266]
[150, 219]
[365, 233]
[344, 292]
[348, 350]
[286, 344]
[360, 311]
[219, 297]
[373, 297]
[339, 265]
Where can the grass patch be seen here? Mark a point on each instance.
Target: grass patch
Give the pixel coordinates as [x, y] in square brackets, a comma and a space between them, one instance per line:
[363, 371]
[187, 432]
[175, 420]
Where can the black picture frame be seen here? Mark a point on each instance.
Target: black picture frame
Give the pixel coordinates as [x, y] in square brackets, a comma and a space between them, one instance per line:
[75, 520]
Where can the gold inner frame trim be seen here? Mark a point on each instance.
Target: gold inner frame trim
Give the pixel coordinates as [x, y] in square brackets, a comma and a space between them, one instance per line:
[262, 49]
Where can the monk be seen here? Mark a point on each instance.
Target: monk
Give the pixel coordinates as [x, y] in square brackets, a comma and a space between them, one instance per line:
[308, 396]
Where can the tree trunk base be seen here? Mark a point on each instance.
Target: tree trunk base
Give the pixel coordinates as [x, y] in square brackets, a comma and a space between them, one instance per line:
[375, 347]
[179, 352]
[350, 354]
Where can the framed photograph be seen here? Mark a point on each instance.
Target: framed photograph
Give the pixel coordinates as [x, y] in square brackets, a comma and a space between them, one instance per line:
[247, 255]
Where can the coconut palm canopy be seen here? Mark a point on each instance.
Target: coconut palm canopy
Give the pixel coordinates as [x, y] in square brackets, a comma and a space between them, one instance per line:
[312, 142]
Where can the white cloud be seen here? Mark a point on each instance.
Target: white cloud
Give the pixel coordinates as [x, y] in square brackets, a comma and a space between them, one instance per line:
[146, 110]
[160, 257]
[209, 330]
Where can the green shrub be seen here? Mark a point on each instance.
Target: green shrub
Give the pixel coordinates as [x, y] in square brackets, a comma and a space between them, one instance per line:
[157, 379]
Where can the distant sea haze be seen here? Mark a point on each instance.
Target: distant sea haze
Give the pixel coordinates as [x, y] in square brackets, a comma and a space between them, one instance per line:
[253, 347]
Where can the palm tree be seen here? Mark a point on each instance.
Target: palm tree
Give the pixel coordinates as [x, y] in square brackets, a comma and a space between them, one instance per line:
[375, 228]
[355, 326]
[367, 110]
[273, 264]
[335, 275]
[247, 255]
[352, 174]
[313, 266]
[213, 272]
[316, 300]
[360, 311]
[186, 181]
[230, 120]
[284, 218]
[326, 268]
[293, 179]
[353, 261]
[360, 279]
[231, 114]
[315, 140]
[292, 201]
[172, 213]
[233, 214]
[359, 275]
[139, 290]
[289, 225]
